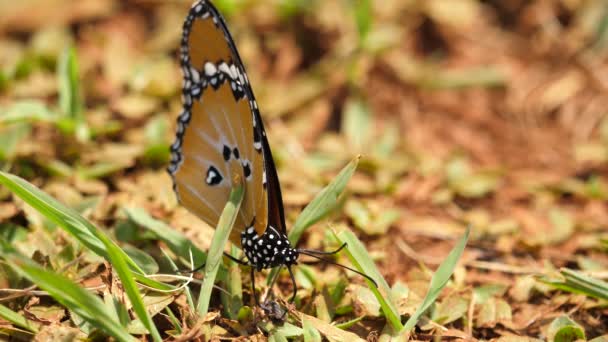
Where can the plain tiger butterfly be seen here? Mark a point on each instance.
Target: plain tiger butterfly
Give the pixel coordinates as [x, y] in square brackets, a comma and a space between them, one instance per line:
[220, 133]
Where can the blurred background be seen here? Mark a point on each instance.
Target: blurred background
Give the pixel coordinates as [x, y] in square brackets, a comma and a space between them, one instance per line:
[488, 113]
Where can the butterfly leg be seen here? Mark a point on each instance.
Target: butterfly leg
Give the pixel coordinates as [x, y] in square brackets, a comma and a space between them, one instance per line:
[198, 268]
[238, 261]
[312, 251]
[293, 283]
[252, 272]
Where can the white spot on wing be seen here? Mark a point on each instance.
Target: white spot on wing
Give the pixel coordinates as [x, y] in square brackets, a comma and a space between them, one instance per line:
[196, 77]
[210, 69]
[224, 68]
[210, 175]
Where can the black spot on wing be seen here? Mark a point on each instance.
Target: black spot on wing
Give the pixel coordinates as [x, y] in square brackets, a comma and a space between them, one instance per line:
[226, 153]
[214, 177]
[247, 170]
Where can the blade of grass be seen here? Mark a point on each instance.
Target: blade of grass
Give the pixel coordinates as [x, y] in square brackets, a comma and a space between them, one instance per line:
[577, 282]
[176, 241]
[67, 293]
[18, 319]
[219, 240]
[325, 201]
[70, 96]
[61, 215]
[233, 300]
[362, 10]
[68, 219]
[120, 265]
[174, 321]
[28, 111]
[187, 291]
[438, 281]
[67, 73]
[311, 334]
[362, 261]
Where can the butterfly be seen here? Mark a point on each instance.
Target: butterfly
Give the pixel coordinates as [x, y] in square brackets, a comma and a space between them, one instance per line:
[220, 134]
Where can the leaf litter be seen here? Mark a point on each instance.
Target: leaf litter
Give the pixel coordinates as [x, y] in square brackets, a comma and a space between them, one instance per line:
[467, 113]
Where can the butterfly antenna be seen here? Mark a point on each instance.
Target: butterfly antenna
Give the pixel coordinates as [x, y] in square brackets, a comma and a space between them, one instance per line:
[312, 251]
[305, 252]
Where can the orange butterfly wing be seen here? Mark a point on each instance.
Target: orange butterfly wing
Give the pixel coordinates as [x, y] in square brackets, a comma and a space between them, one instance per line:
[217, 136]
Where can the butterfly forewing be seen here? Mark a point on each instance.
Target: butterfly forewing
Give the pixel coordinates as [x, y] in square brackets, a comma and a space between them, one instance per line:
[219, 130]
[276, 216]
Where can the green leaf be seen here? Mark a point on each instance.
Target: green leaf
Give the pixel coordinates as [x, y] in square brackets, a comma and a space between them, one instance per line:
[323, 203]
[10, 136]
[68, 219]
[216, 251]
[67, 293]
[233, 300]
[144, 260]
[69, 87]
[27, 111]
[18, 319]
[439, 280]
[157, 151]
[563, 329]
[311, 334]
[120, 264]
[577, 282]
[361, 260]
[363, 17]
[70, 96]
[58, 213]
[357, 124]
[177, 242]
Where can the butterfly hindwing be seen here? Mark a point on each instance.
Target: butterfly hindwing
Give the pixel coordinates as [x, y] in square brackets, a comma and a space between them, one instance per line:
[276, 215]
[216, 138]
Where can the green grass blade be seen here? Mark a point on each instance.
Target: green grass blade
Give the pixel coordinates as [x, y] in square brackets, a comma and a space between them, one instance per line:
[70, 101]
[577, 282]
[323, 203]
[363, 17]
[177, 242]
[233, 300]
[28, 111]
[67, 293]
[17, 319]
[440, 279]
[311, 334]
[187, 291]
[362, 261]
[68, 219]
[219, 240]
[120, 265]
[60, 214]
